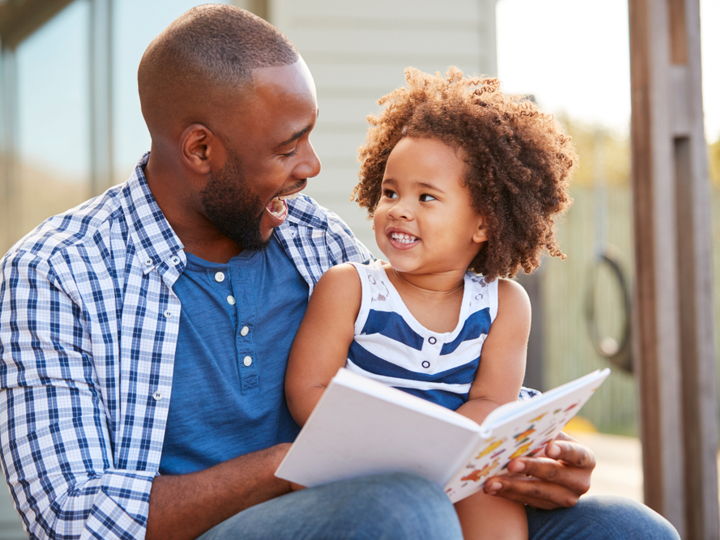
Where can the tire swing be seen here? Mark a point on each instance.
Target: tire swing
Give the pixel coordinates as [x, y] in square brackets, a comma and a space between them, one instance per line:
[617, 351]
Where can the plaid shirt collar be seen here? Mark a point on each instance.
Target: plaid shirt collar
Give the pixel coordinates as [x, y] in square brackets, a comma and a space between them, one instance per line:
[156, 241]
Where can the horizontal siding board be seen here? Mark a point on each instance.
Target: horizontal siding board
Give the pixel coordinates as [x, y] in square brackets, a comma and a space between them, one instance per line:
[288, 10]
[363, 81]
[384, 42]
[338, 144]
[437, 61]
[458, 23]
[342, 113]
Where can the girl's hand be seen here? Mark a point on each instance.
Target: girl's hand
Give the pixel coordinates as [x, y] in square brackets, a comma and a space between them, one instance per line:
[556, 480]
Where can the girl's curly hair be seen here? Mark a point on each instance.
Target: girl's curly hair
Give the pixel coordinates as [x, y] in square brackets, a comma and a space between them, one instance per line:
[519, 161]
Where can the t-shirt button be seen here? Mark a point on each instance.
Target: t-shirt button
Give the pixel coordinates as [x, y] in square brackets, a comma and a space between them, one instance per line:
[148, 262]
[247, 361]
[219, 277]
[157, 396]
[168, 314]
[432, 341]
[426, 364]
[174, 260]
[244, 331]
[231, 300]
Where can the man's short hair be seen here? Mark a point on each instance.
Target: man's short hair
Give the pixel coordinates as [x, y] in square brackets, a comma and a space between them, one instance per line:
[208, 50]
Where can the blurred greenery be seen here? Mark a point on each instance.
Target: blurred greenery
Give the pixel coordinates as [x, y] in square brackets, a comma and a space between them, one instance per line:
[714, 159]
[568, 350]
[616, 152]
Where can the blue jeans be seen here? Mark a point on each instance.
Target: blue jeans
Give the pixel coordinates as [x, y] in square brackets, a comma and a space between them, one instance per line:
[401, 506]
[381, 507]
[600, 518]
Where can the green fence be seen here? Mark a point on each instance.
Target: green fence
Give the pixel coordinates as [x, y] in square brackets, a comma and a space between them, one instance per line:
[569, 352]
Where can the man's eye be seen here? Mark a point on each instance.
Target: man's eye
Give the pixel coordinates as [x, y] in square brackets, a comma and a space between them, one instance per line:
[291, 153]
[390, 194]
[426, 198]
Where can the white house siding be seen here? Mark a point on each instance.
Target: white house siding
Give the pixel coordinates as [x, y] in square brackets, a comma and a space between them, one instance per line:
[357, 51]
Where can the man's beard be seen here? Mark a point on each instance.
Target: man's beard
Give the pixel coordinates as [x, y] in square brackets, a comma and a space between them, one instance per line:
[232, 208]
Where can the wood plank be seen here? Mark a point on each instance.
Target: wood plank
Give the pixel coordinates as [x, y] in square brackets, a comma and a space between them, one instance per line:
[673, 315]
[695, 261]
[657, 342]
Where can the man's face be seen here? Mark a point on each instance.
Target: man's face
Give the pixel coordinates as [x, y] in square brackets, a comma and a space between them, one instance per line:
[269, 155]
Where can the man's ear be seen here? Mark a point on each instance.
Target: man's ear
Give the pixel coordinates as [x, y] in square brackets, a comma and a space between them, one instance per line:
[480, 235]
[199, 147]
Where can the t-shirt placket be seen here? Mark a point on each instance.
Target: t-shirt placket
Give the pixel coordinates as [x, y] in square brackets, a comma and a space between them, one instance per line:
[244, 320]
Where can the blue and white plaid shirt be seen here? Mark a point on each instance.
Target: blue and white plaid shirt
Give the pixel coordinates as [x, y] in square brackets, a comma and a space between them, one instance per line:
[88, 329]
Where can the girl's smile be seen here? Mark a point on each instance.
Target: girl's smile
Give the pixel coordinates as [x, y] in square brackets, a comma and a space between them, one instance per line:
[399, 239]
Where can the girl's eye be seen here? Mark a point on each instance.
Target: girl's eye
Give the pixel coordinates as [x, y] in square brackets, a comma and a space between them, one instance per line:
[390, 194]
[426, 198]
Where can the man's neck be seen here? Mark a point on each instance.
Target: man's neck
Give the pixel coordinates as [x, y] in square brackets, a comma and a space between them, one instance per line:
[197, 234]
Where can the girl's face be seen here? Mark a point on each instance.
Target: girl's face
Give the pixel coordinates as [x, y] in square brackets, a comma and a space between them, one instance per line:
[424, 222]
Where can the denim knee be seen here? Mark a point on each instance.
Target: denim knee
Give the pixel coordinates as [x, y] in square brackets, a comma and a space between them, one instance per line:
[600, 518]
[406, 506]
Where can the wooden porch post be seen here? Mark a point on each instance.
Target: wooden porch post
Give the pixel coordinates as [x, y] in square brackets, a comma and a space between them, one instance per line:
[673, 290]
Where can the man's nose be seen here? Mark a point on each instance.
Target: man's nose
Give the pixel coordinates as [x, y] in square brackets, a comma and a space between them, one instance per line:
[310, 166]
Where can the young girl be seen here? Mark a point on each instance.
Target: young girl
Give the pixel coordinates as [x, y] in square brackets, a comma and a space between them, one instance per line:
[462, 183]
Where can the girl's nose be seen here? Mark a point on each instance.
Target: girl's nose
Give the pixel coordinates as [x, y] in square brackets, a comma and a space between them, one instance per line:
[401, 210]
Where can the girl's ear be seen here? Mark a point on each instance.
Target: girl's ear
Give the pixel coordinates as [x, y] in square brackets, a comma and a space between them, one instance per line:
[480, 235]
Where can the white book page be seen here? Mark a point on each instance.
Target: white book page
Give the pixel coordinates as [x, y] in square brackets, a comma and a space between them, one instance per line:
[523, 431]
[355, 432]
[347, 378]
[509, 411]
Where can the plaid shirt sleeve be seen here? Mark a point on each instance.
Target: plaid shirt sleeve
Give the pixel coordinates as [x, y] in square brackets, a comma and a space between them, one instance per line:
[56, 448]
[343, 244]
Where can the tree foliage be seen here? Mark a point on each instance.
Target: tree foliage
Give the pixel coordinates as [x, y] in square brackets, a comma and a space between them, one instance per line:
[714, 162]
[594, 143]
[601, 152]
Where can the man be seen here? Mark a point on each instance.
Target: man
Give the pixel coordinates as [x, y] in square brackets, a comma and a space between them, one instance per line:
[144, 335]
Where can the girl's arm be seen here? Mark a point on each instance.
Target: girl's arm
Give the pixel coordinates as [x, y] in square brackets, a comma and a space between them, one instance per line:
[498, 381]
[322, 342]
[502, 364]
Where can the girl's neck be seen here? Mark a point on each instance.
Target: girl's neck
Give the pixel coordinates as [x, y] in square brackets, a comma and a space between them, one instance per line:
[434, 300]
[441, 286]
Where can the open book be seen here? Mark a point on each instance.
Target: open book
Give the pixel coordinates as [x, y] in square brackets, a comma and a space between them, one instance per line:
[361, 426]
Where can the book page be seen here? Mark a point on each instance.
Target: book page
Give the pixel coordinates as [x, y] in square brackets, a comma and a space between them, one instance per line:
[387, 393]
[509, 410]
[521, 430]
[362, 429]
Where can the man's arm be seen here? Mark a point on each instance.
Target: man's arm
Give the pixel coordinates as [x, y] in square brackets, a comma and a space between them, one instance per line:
[59, 449]
[555, 481]
[184, 507]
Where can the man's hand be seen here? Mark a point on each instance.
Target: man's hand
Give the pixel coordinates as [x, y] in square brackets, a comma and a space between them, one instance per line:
[556, 480]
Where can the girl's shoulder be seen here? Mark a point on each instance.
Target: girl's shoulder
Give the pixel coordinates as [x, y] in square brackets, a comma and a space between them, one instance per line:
[338, 279]
[340, 271]
[512, 295]
[350, 278]
[372, 270]
[498, 286]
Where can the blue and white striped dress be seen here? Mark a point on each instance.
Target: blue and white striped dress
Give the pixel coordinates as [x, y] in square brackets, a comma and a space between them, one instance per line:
[391, 346]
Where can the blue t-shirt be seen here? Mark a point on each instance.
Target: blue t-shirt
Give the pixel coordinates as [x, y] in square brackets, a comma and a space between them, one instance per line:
[237, 325]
